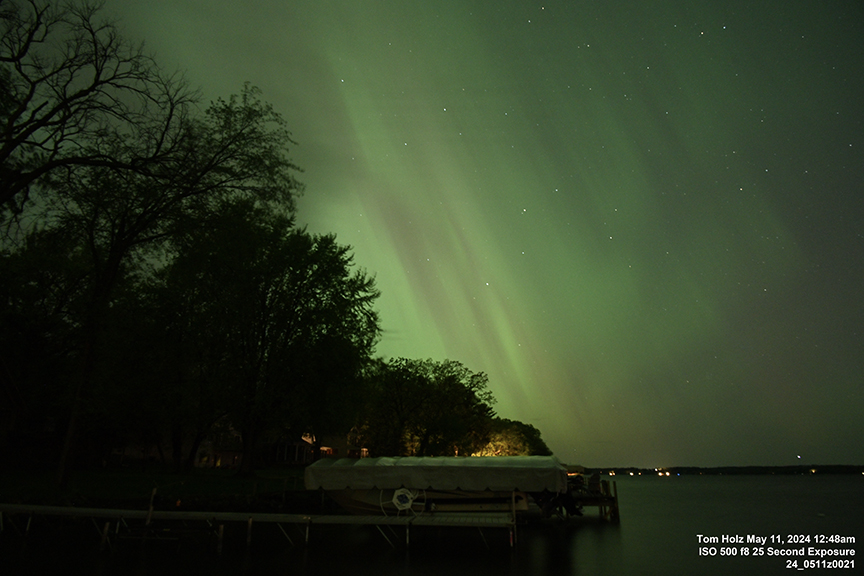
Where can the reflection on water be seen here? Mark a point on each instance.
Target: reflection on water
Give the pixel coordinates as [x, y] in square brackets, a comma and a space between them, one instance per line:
[660, 519]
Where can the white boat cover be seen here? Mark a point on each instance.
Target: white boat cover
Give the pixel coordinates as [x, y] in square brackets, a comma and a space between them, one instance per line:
[496, 473]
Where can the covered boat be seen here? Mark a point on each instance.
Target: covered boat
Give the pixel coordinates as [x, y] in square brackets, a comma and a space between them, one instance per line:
[438, 484]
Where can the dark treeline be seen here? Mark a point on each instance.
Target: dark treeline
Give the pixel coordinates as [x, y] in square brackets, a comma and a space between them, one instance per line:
[155, 289]
[428, 408]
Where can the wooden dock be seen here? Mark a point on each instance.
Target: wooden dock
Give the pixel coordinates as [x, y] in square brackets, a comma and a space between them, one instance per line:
[605, 497]
[117, 521]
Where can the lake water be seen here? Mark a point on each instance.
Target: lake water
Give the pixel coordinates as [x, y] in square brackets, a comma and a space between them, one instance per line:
[660, 521]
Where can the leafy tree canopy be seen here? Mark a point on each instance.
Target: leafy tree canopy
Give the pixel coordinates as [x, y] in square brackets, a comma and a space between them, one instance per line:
[513, 438]
[425, 408]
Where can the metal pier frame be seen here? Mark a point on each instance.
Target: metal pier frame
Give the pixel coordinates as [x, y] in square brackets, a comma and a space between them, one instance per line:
[216, 520]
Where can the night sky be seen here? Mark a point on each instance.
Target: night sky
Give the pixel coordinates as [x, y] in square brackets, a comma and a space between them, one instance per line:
[643, 220]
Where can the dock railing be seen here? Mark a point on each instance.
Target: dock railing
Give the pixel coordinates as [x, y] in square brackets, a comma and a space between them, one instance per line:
[116, 520]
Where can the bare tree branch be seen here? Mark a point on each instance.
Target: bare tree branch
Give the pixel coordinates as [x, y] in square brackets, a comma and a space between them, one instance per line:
[69, 80]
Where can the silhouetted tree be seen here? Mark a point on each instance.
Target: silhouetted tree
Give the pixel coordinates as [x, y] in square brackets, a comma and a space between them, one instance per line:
[124, 217]
[160, 379]
[41, 284]
[425, 408]
[70, 87]
[285, 319]
[122, 165]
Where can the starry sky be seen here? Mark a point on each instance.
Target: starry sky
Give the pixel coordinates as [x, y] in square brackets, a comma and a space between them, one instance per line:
[643, 220]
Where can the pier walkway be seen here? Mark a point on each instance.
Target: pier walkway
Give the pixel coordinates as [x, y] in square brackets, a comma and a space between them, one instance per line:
[140, 523]
[215, 521]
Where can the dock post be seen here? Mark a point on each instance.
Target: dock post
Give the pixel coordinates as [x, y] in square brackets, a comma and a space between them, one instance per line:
[150, 508]
[249, 534]
[513, 519]
[604, 491]
[27, 529]
[220, 533]
[105, 535]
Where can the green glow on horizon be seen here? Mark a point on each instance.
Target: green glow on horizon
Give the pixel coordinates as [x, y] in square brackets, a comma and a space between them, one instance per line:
[607, 212]
[542, 301]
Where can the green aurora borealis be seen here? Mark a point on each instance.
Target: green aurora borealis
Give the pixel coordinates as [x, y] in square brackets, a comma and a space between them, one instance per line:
[642, 219]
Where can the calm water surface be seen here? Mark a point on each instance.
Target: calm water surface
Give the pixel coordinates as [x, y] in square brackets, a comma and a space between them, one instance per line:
[660, 521]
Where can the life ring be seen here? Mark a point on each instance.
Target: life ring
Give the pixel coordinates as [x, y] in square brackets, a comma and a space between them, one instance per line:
[403, 498]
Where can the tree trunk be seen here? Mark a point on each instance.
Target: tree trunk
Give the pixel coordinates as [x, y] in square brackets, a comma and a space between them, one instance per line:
[177, 447]
[250, 442]
[99, 304]
[193, 451]
[159, 449]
